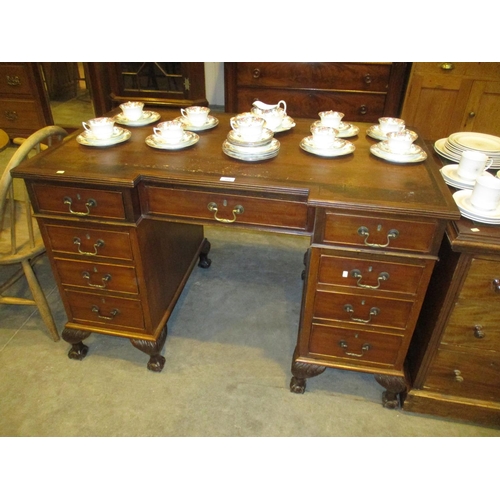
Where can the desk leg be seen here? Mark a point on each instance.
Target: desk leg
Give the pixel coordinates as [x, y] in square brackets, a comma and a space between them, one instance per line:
[396, 390]
[74, 337]
[302, 371]
[153, 348]
[204, 260]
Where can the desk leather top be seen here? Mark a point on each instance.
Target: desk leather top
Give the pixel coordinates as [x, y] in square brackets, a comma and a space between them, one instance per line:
[359, 180]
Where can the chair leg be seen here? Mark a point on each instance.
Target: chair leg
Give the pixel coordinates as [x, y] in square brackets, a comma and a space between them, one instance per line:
[40, 300]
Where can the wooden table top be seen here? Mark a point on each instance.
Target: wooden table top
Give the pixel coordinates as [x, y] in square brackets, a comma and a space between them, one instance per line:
[358, 180]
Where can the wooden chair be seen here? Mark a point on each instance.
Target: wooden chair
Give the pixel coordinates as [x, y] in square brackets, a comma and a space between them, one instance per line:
[20, 239]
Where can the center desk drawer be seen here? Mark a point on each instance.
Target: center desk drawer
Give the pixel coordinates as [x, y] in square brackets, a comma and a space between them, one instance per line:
[95, 243]
[285, 213]
[378, 232]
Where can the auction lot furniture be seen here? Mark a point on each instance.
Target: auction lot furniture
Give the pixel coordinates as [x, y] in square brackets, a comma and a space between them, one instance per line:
[123, 226]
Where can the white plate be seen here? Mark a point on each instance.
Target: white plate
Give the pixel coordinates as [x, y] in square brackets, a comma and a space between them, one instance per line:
[344, 148]
[375, 133]
[451, 177]
[413, 151]
[119, 135]
[397, 158]
[146, 118]
[210, 123]
[462, 199]
[236, 139]
[188, 140]
[286, 124]
[475, 140]
[350, 131]
[253, 151]
[229, 150]
[446, 150]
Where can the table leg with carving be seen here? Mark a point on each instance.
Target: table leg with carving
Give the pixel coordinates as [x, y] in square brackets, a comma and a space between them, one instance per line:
[395, 392]
[153, 348]
[74, 337]
[302, 371]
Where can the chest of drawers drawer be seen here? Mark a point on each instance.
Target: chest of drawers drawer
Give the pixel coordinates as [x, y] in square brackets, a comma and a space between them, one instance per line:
[97, 276]
[482, 282]
[226, 208]
[14, 79]
[20, 114]
[97, 243]
[377, 232]
[465, 373]
[80, 202]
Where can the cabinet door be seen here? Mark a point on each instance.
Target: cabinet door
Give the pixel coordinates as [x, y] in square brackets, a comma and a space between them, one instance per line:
[434, 104]
[483, 108]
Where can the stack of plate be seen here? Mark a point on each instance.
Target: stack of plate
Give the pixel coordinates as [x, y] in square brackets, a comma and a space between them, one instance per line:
[453, 146]
[451, 177]
[469, 211]
[261, 149]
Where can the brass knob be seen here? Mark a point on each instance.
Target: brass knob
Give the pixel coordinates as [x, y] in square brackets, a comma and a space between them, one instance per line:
[363, 110]
[447, 66]
[256, 73]
[458, 376]
[472, 114]
[368, 79]
[478, 332]
[496, 284]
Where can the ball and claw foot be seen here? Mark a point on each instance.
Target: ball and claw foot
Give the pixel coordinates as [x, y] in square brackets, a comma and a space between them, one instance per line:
[204, 261]
[297, 385]
[78, 349]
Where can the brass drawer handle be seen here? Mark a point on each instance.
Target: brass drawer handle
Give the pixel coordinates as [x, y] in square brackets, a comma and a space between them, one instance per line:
[113, 313]
[13, 81]
[105, 279]
[363, 231]
[374, 311]
[237, 210]
[364, 349]
[458, 376]
[478, 332]
[496, 285]
[447, 66]
[90, 203]
[11, 115]
[356, 273]
[99, 244]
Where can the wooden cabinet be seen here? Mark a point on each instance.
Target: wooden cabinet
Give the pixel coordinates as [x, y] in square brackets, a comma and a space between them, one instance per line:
[455, 355]
[24, 102]
[443, 98]
[362, 91]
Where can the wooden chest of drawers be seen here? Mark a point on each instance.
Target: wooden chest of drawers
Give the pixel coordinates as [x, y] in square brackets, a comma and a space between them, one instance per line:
[362, 91]
[457, 373]
[24, 102]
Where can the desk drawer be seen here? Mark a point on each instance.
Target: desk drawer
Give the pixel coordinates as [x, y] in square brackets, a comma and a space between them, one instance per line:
[97, 276]
[378, 232]
[81, 202]
[105, 311]
[256, 211]
[355, 346]
[95, 243]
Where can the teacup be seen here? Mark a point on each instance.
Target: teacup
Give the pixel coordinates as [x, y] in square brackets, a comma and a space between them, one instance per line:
[100, 128]
[486, 192]
[388, 124]
[170, 132]
[323, 137]
[331, 118]
[248, 126]
[273, 114]
[472, 164]
[132, 110]
[196, 115]
[400, 142]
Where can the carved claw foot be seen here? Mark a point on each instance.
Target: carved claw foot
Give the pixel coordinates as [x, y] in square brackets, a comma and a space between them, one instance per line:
[204, 260]
[74, 337]
[301, 372]
[396, 389]
[153, 348]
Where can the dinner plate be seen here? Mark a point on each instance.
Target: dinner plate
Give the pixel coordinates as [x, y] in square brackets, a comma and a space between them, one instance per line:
[476, 140]
[343, 148]
[210, 123]
[146, 118]
[254, 150]
[189, 139]
[234, 152]
[397, 158]
[442, 148]
[119, 135]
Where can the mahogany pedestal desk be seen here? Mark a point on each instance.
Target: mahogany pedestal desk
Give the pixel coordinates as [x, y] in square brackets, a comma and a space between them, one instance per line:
[123, 227]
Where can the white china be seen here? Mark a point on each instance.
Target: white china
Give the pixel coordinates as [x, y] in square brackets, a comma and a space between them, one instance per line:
[132, 110]
[210, 123]
[486, 192]
[248, 126]
[388, 124]
[323, 137]
[414, 149]
[250, 153]
[401, 142]
[462, 199]
[273, 114]
[476, 140]
[451, 177]
[236, 139]
[101, 127]
[188, 139]
[171, 131]
[331, 118]
[345, 129]
[377, 150]
[146, 118]
[195, 115]
[119, 135]
[375, 132]
[453, 150]
[340, 148]
[287, 124]
[473, 163]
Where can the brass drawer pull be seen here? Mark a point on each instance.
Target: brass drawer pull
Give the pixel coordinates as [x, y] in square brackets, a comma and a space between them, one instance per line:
[356, 273]
[374, 311]
[237, 210]
[364, 349]
[113, 313]
[458, 376]
[496, 285]
[105, 279]
[363, 231]
[11, 116]
[363, 109]
[13, 81]
[99, 244]
[478, 332]
[256, 73]
[90, 203]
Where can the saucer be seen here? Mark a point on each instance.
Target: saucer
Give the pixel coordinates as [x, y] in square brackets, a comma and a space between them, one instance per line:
[265, 138]
[340, 148]
[146, 118]
[251, 154]
[397, 157]
[462, 199]
[286, 124]
[119, 135]
[375, 132]
[414, 149]
[210, 123]
[451, 177]
[345, 129]
[188, 139]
